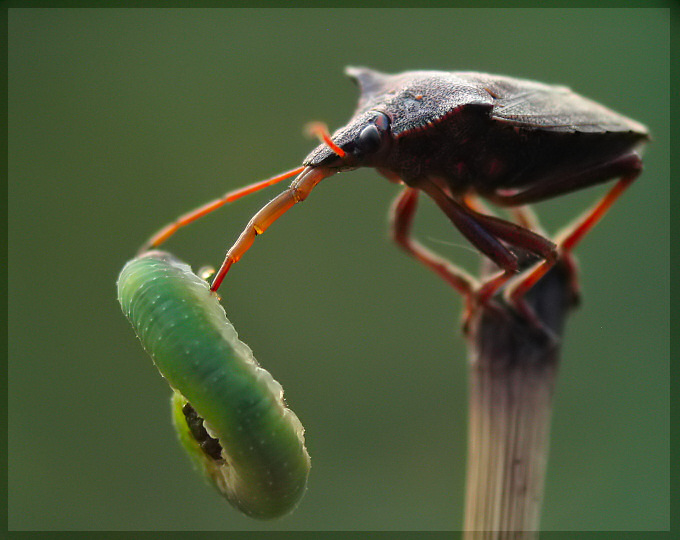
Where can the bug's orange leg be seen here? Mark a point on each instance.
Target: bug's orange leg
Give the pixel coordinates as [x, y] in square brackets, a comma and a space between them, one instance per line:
[517, 236]
[298, 191]
[526, 217]
[567, 241]
[490, 286]
[402, 213]
[167, 231]
[627, 166]
[467, 222]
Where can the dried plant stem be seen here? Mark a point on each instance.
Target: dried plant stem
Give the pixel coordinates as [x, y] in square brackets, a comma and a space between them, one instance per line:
[513, 369]
[508, 443]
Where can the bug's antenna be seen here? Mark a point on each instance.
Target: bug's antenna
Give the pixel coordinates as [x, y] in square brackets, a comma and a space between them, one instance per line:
[320, 130]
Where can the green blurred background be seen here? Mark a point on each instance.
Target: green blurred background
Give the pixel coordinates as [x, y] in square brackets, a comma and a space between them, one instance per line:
[120, 120]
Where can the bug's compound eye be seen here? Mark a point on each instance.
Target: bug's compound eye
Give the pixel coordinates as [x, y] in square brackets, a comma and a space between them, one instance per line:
[373, 137]
[369, 139]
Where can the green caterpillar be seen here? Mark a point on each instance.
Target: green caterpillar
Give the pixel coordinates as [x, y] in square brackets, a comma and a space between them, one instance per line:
[229, 412]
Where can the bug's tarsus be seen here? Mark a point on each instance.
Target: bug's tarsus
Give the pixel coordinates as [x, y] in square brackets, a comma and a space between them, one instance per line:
[166, 232]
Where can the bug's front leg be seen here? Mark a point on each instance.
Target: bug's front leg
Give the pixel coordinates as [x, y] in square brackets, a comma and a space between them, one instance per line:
[402, 213]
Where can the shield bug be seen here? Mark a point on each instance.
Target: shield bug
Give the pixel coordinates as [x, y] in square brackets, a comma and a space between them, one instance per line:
[456, 136]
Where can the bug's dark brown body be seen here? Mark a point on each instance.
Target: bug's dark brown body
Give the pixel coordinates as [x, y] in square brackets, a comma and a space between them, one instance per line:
[509, 140]
[489, 155]
[483, 132]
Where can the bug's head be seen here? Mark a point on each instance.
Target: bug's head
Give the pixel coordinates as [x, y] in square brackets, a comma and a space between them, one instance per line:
[362, 143]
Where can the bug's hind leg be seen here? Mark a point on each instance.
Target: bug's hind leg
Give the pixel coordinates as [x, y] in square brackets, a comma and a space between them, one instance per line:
[626, 167]
[474, 227]
[487, 233]
[567, 241]
[488, 242]
[514, 235]
[402, 213]
[534, 239]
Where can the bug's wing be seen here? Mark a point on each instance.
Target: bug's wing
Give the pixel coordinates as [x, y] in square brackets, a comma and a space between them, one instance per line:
[415, 99]
[533, 105]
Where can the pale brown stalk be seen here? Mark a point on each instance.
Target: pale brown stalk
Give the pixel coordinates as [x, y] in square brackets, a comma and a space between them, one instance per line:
[513, 368]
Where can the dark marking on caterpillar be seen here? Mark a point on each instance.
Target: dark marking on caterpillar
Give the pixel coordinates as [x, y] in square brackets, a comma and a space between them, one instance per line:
[209, 445]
